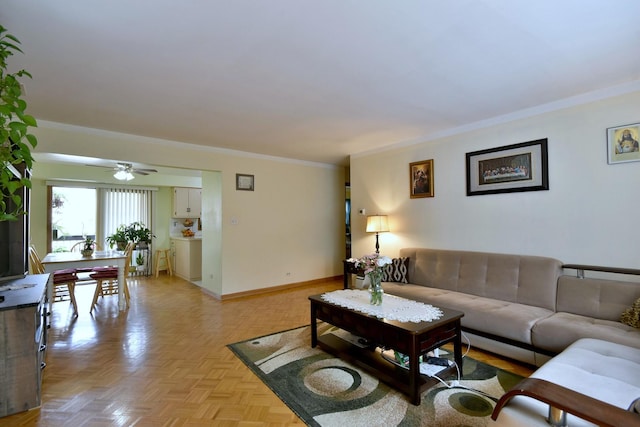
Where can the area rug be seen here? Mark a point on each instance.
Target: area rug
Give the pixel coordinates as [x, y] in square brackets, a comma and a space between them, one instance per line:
[326, 391]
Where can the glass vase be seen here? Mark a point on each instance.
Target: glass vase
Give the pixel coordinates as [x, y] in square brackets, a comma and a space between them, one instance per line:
[375, 289]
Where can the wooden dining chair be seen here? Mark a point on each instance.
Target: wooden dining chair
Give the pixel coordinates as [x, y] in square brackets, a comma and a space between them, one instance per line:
[83, 272]
[64, 281]
[107, 279]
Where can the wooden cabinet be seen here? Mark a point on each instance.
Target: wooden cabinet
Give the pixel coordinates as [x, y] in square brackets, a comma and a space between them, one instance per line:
[23, 338]
[187, 258]
[187, 202]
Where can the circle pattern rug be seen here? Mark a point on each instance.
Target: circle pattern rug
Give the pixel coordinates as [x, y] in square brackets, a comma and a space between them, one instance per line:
[326, 391]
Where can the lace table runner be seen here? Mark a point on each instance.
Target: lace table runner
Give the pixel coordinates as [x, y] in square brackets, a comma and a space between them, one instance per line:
[392, 308]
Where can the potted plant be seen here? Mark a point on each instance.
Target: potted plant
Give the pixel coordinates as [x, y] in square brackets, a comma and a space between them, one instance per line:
[15, 140]
[140, 261]
[138, 233]
[87, 248]
[119, 238]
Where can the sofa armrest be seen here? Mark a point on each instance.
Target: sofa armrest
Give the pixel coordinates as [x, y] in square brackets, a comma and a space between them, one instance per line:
[578, 404]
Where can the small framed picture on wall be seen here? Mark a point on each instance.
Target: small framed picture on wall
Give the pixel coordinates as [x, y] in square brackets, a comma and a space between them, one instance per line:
[622, 144]
[244, 182]
[421, 179]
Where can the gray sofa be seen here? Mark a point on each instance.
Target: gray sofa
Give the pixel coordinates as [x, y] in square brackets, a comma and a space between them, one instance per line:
[520, 306]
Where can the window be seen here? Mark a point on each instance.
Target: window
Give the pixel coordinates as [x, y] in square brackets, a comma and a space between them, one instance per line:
[73, 216]
[78, 212]
[123, 206]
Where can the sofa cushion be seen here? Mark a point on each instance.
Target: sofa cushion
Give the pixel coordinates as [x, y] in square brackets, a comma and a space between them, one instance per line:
[506, 319]
[397, 271]
[558, 331]
[602, 299]
[523, 279]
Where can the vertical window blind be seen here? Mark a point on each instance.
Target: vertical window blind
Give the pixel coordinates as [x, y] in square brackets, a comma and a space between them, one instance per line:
[120, 206]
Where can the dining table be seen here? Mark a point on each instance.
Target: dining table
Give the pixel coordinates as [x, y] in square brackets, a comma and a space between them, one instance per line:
[62, 260]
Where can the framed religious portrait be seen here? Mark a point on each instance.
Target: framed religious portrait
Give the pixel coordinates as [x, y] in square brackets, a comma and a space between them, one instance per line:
[244, 182]
[622, 144]
[421, 179]
[508, 169]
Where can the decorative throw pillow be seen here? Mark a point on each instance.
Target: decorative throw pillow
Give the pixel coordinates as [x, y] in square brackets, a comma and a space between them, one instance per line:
[397, 271]
[631, 316]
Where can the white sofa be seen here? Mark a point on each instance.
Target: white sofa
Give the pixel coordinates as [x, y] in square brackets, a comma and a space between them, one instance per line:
[594, 381]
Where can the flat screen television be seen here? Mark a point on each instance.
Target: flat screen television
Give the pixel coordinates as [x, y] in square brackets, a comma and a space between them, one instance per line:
[14, 237]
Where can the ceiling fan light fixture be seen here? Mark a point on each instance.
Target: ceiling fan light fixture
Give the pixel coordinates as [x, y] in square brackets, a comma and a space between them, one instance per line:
[125, 171]
[123, 175]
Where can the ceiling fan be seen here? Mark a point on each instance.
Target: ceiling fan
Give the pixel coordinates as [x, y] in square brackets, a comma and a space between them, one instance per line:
[124, 171]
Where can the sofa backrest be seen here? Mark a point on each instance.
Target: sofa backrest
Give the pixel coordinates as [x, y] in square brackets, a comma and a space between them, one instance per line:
[598, 298]
[524, 279]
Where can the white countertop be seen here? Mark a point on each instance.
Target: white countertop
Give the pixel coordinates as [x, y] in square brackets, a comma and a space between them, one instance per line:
[198, 238]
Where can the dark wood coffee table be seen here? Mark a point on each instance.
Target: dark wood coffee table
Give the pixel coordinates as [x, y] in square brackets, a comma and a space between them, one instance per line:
[410, 338]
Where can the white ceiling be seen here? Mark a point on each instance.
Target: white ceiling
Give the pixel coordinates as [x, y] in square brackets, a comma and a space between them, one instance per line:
[315, 80]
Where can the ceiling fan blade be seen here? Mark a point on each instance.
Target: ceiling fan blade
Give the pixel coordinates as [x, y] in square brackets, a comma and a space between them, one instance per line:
[100, 166]
[126, 167]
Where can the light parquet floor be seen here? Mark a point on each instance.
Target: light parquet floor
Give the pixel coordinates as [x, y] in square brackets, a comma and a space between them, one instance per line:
[164, 361]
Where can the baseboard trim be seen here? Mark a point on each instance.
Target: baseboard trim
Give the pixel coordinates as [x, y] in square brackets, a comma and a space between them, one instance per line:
[270, 289]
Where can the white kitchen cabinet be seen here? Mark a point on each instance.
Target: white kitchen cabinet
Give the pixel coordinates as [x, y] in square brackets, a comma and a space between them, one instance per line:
[187, 258]
[187, 202]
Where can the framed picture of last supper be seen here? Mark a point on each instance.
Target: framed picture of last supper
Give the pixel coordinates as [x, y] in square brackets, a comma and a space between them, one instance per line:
[508, 169]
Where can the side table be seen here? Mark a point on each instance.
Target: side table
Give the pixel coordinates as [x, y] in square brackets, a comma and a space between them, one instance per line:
[349, 269]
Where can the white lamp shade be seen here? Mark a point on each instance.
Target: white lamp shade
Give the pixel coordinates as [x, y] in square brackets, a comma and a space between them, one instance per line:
[377, 223]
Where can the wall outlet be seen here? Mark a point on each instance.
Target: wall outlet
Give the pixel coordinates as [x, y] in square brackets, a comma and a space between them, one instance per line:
[362, 212]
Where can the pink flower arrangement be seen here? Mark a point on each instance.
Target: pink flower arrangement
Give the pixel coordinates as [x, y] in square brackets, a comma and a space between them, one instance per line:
[372, 263]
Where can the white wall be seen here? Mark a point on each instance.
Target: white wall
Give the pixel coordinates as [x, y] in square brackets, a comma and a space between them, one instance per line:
[289, 230]
[590, 215]
[212, 233]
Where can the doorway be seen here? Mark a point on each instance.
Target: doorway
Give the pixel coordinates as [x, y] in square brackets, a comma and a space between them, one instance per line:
[347, 207]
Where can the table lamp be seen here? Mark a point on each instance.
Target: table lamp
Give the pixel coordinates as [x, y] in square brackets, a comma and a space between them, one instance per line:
[377, 224]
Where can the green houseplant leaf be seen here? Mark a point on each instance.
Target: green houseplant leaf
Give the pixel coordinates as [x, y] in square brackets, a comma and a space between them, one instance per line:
[14, 131]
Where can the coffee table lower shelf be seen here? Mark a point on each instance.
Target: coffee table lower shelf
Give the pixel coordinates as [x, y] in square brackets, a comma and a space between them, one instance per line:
[372, 361]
